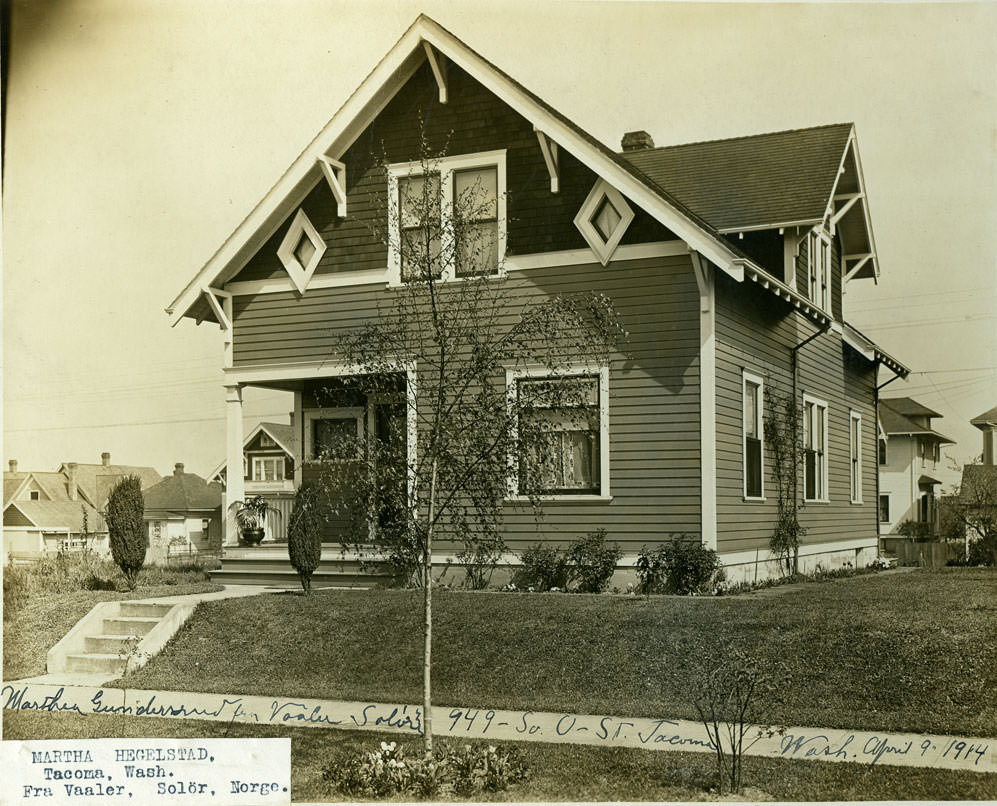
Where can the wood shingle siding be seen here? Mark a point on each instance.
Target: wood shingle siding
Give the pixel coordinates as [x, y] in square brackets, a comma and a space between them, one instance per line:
[473, 121]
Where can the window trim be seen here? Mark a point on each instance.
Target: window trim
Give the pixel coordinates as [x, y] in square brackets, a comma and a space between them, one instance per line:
[854, 456]
[746, 378]
[301, 227]
[334, 413]
[603, 248]
[512, 375]
[825, 498]
[446, 167]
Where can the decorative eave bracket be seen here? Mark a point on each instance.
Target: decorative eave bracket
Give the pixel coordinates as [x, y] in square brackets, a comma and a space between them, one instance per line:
[438, 63]
[862, 259]
[849, 199]
[212, 296]
[335, 175]
[549, 150]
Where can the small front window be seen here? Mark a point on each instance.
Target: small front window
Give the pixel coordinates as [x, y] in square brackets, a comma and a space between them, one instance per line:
[559, 436]
[268, 468]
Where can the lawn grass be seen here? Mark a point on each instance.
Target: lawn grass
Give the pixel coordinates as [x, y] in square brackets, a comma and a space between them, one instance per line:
[906, 652]
[33, 628]
[556, 772]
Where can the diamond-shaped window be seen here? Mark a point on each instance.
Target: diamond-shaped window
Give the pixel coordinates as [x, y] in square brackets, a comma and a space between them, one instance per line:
[603, 219]
[301, 250]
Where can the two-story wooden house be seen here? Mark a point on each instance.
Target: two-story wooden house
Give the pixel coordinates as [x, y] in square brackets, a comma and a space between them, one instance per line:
[910, 455]
[727, 261]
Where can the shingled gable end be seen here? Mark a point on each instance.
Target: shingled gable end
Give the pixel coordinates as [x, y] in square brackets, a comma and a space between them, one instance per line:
[726, 261]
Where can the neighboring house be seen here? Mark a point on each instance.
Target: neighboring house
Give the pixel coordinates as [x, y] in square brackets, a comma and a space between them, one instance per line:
[987, 423]
[183, 511]
[268, 469]
[978, 488]
[910, 452]
[43, 512]
[726, 260]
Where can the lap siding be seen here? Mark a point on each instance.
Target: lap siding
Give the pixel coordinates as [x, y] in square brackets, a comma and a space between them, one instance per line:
[654, 393]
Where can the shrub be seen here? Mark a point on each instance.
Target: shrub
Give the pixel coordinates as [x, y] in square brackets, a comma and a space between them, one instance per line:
[983, 550]
[544, 567]
[462, 772]
[918, 530]
[304, 532]
[591, 562]
[125, 527]
[684, 566]
[16, 589]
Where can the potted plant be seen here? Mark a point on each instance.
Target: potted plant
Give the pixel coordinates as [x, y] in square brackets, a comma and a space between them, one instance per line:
[251, 515]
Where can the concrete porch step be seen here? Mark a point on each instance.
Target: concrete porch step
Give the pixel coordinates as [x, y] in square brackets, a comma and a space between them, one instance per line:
[96, 662]
[144, 609]
[129, 625]
[290, 579]
[108, 644]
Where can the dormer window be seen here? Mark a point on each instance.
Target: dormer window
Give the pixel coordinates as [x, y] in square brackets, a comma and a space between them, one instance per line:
[819, 268]
[447, 217]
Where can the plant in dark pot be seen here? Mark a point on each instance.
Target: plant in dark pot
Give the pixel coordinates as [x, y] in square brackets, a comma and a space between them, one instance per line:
[251, 516]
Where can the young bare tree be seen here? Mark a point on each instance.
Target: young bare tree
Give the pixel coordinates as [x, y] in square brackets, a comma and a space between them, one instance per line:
[974, 507]
[461, 434]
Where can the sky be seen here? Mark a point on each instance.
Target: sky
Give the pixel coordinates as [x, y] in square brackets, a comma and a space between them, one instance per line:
[141, 132]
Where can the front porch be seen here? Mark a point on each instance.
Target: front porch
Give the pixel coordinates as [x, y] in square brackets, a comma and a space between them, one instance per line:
[269, 565]
[332, 403]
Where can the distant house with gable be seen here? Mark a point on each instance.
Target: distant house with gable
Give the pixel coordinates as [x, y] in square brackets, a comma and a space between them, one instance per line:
[47, 512]
[268, 469]
[909, 457]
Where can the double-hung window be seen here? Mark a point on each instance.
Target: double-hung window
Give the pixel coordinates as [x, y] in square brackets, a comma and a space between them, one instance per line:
[814, 449]
[447, 217]
[753, 436]
[855, 455]
[819, 268]
[561, 428]
[268, 468]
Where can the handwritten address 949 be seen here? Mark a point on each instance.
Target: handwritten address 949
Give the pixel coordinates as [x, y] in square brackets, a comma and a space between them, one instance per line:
[864, 747]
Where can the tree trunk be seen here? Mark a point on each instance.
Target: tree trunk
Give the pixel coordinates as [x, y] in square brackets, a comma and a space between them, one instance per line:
[427, 628]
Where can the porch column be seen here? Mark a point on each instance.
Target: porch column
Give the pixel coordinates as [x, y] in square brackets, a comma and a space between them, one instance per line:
[234, 486]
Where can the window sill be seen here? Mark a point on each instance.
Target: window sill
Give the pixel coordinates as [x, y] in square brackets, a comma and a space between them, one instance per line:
[446, 280]
[816, 501]
[753, 499]
[578, 499]
[857, 503]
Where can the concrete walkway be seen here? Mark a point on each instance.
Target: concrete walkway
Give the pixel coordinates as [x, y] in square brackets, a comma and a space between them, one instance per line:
[816, 744]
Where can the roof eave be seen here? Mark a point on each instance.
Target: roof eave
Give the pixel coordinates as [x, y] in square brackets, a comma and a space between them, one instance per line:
[372, 95]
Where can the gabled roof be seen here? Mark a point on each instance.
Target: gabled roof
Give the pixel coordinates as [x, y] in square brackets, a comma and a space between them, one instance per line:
[183, 492]
[369, 99]
[59, 515]
[977, 480]
[282, 434]
[909, 407]
[897, 423]
[97, 480]
[986, 420]
[745, 183]
[798, 177]
[54, 485]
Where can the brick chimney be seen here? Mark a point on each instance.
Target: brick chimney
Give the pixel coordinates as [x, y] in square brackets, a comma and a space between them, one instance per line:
[13, 465]
[636, 141]
[71, 483]
[178, 469]
[105, 459]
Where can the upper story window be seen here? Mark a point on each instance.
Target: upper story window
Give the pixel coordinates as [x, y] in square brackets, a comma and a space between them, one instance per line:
[882, 451]
[447, 218]
[753, 436]
[819, 268]
[814, 449]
